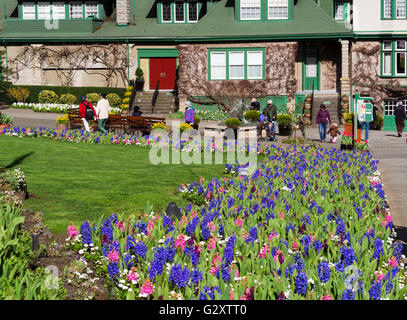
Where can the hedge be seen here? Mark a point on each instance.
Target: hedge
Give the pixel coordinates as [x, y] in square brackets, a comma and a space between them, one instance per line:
[78, 92]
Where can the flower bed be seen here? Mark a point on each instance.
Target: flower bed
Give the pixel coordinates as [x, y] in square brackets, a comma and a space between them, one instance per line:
[51, 107]
[308, 224]
[203, 114]
[81, 136]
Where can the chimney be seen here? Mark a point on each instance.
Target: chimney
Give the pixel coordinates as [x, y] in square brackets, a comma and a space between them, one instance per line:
[122, 12]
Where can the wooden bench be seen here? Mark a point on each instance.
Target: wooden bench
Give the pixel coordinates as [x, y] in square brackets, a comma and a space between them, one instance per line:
[116, 122]
[75, 120]
[141, 125]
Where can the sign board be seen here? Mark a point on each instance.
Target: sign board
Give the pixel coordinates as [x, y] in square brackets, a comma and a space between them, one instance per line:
[365, 111]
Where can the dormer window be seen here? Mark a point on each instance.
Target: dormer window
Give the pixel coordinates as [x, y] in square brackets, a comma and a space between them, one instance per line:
[76, 10]
[29, 10]
[250, 9]
[178, 11]
[339, 10]
[278, 9]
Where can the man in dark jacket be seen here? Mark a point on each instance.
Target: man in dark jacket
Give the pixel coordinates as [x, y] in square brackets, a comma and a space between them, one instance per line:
[255, 105]
[270, 111]
[400, 115]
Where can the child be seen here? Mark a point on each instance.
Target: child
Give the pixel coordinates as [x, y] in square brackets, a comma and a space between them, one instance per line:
[333, 131]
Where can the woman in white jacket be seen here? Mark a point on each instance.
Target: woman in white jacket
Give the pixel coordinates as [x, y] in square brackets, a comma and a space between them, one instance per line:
[102, 110]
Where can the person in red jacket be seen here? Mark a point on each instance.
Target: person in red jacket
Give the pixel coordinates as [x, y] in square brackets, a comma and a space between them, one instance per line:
[87, 112]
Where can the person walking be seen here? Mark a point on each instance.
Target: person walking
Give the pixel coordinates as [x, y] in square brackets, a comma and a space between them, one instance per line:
[323, 117]
[255, 105]
[400, 115]
[102, 110]
[87, 112]
[189, 114]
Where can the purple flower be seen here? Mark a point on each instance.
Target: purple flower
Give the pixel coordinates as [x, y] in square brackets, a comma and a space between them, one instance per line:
[348, 294]
[301, 282]
[86, 232]
[375, 291]
[323, 271]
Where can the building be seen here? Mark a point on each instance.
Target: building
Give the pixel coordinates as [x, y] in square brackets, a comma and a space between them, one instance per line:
[284, 49]
[379, 51]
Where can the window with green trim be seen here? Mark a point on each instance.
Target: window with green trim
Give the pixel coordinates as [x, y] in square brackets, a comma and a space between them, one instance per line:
[263, 10]
[278, 9]
[59, 10]
[236, 64]
[178, 11]
[340, 7]
[393, 58]
[394, 9]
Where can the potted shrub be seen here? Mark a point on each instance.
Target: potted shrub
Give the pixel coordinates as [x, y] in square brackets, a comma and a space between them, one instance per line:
[347, 141]
[233, 123]
[284, 124]
[349, 118]
[139, 79]
[5, 121]
[252, 116]
[308, 98]
[197, 120]
[62, 122]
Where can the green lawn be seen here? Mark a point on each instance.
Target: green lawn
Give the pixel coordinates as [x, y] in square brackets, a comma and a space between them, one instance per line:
[73, 182]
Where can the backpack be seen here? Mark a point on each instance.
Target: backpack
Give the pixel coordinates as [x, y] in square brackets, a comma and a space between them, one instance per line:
[89, 115]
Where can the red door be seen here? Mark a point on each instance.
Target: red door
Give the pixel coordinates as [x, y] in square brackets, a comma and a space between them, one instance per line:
[163, 73]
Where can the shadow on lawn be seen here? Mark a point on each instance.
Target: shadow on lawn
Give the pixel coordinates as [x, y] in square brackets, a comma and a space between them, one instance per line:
[16, 161]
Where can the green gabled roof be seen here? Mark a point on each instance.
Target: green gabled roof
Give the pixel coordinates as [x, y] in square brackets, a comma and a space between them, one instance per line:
[219, 24]
[7, 7]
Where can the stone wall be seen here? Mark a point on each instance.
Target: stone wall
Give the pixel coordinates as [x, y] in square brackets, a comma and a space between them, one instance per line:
[79, 65]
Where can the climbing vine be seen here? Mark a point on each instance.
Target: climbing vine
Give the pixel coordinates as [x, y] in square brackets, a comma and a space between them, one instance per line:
[193, 83]
[109, 61]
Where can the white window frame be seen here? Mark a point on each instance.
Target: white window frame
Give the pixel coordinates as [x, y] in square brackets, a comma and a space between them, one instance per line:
[387, 51]
[70, 10]
[240, 65]
[337, 5]
[30, 12]
[248, 63]
[54, 16]
[162, 12]
[400, 51]
[401, 3]
[388, 3]
[175, 11]
[250, 4]
[47, 15]
[87, 12]
[224, 66]
[197, 11]
[272, 3]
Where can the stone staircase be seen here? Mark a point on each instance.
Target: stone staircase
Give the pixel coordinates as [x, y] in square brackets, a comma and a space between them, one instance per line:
[331, 102]
[164, 103]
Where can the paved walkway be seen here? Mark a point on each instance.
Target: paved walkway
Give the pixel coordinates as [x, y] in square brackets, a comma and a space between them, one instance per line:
[31, 119]
[390, 150]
